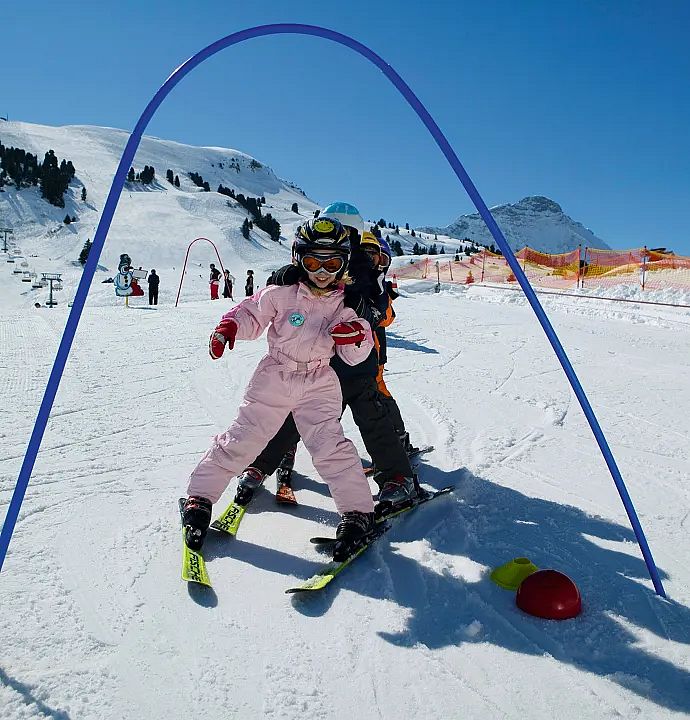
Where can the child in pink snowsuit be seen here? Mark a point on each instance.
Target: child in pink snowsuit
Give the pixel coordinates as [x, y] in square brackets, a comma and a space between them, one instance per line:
[307, 323]
[294, 377]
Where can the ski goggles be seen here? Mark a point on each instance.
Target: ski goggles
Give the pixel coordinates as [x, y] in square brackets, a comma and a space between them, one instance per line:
[331, 264]
[384, 261]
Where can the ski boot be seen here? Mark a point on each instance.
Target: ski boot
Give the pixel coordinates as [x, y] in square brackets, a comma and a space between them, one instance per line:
[284, 471]
[248, 483]
[196, 517]
[410, 449]
[354, 529]
[397, 492]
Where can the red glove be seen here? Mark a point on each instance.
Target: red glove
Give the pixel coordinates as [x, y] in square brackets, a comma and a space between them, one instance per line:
[348, 333]
[224, 333]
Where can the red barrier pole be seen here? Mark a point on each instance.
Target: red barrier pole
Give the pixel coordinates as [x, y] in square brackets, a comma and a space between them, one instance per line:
[220, 262]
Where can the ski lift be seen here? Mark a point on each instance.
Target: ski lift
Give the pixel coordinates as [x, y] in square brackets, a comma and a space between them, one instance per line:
[57, 285]
[10, 259]
[17, 271]
[26, 277]
[36, 284]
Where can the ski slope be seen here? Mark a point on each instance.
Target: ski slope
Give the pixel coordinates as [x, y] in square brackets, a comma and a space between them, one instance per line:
[97, 623]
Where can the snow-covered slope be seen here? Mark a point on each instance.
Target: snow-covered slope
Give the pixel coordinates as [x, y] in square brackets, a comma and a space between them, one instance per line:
[97, 624]
[154, 225]
[535, 221]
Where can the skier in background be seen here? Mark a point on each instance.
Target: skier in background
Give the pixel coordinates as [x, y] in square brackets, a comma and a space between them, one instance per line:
[249, 283]
[153, 281]
[307, 324]
[214, 281]
[227, 287]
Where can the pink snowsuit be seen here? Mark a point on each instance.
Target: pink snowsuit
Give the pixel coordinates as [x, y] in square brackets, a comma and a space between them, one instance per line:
[295, 377]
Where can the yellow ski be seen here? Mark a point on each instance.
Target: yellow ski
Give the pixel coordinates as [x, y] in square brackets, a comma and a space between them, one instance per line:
[230, 520]
[193, 565]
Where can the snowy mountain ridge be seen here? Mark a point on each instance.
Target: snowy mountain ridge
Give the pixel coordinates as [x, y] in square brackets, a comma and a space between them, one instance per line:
[154, 223]
[535, 221]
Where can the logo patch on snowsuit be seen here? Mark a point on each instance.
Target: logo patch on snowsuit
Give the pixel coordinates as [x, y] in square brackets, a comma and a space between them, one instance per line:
[296, 319]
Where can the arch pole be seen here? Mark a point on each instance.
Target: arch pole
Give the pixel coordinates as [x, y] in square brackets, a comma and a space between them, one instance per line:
[458, 169]
[220, 262]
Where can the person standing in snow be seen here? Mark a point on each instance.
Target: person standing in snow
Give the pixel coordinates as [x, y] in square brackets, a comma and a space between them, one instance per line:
[153, 281]
[307, 323]
[381, 343]
[249, 284]
[214, 281]
[227, 287]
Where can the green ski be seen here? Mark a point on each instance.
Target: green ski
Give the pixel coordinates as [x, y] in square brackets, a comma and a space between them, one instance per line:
[193, 565]
[322, 577]
[230, 520]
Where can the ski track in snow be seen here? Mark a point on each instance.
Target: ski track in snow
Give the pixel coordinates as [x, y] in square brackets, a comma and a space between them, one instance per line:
[98, 623]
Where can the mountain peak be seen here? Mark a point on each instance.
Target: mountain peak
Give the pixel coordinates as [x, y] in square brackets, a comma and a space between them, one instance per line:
[535, 221]
[539, 203]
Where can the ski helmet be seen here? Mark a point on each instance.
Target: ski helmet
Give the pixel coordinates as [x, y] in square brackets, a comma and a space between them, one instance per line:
[347, 214]
[386, 255]
[368, 238]
[322, 233]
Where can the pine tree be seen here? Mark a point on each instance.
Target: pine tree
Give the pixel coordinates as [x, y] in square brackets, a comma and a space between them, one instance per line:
[407, 226]
[294, 208]
[67, 220]
[84, 254]
[83, 194]
[245, 229]
[169, 176]
[412, 233]
[177, 181]
[130, 175]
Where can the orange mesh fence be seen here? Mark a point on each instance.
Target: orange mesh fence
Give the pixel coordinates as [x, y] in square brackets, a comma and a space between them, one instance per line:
[648, 269]
[551, 271]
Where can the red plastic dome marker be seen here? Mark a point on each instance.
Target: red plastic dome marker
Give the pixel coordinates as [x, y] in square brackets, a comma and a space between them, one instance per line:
[549, 594]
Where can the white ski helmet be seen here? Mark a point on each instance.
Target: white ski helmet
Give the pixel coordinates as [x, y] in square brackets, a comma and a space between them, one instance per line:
[347, 214]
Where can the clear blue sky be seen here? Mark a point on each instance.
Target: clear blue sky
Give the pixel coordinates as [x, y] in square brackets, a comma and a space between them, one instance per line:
[585, 101]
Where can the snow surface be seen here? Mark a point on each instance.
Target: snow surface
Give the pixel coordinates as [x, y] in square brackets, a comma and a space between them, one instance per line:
[97, 623]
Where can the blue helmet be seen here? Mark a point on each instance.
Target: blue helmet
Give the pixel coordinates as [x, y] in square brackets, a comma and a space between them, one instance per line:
[347, 214]
[385, 247]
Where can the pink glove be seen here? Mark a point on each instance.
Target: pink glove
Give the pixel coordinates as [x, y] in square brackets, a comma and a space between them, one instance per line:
[348, 333]
[224, 333]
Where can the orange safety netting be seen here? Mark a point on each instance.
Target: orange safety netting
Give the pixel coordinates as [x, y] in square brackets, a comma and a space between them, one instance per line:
[649, 269]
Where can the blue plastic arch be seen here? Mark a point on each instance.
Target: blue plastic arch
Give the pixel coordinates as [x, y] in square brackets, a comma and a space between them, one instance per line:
[449, 153]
